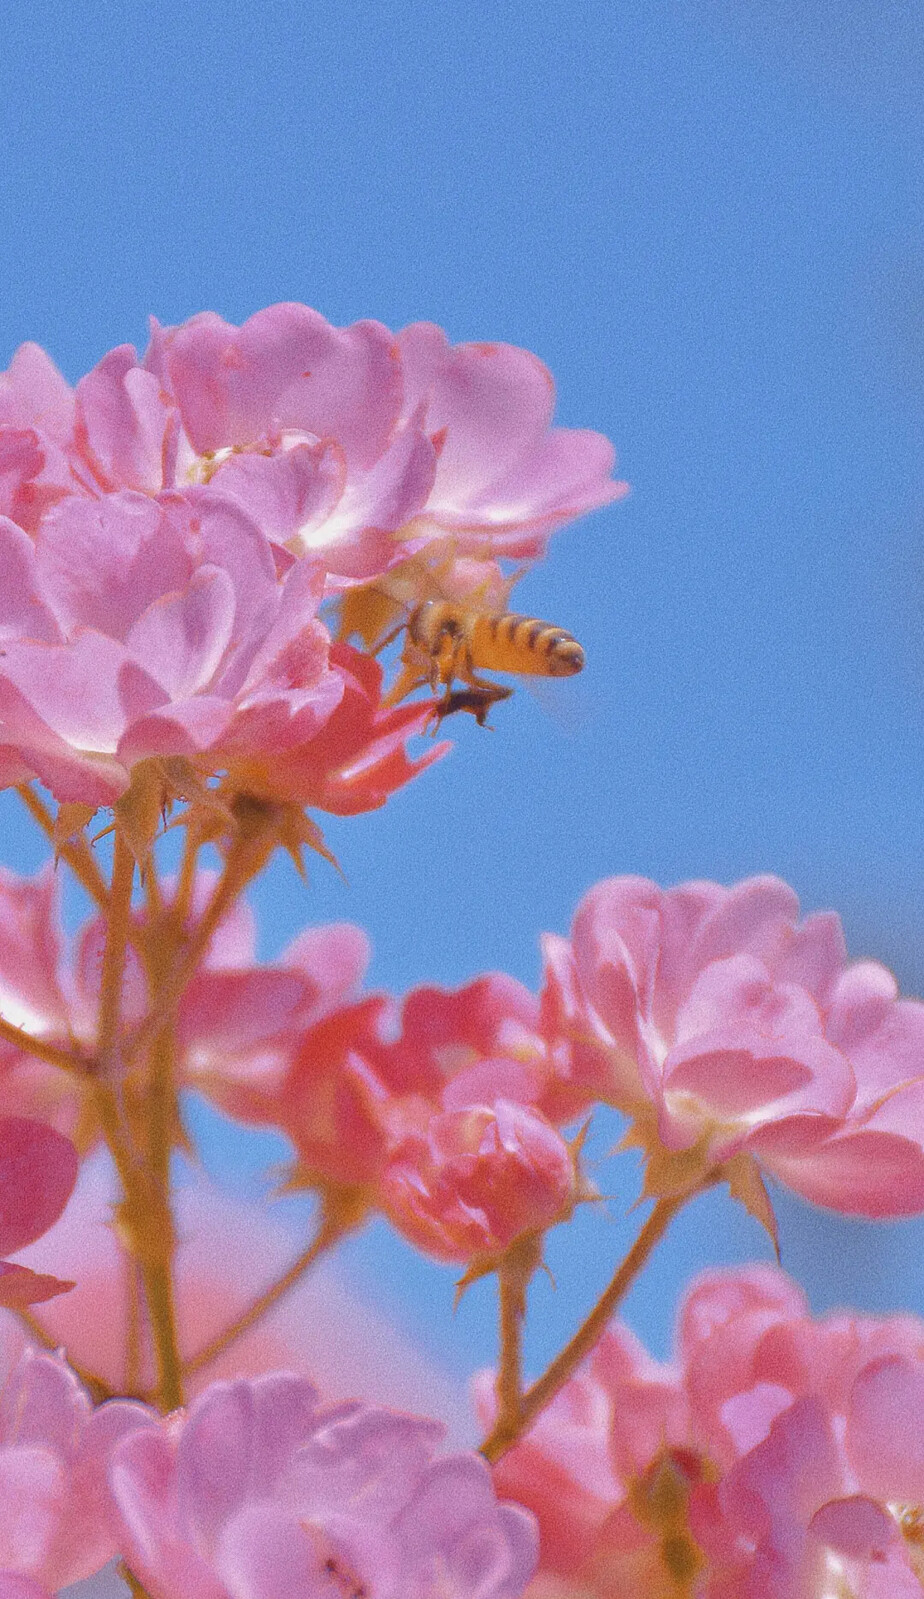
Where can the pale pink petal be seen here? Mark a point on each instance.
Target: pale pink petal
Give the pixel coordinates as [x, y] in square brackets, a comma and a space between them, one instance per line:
[264, 1553]
[16, 1587]
[755, 917]
[885, 1440]
[453, 1530]
[860, 1002]
[816, 956]
[23, 611]
[187, 728]
[332, 959]
[101, 563]
[856, 1527]
[181, 639]
[83, 693]
[33, 1492]
[864, 1172]
[285, 492]
[33, 393]
[123, 422]
[353, 539]
[30, 952]
[285, 367]
[890, 1054]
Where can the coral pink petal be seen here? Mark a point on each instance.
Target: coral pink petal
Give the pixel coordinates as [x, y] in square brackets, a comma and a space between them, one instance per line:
[718, 1298]
[38, 1169]
[20, 1287]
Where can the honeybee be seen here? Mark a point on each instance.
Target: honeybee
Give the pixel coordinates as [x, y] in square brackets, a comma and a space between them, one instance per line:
[451, 640]
[447, 641]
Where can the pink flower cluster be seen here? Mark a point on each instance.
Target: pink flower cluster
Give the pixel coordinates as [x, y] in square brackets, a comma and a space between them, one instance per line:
[778, 1457]
[169, 528]
[441, 1113]
[713, 1017]
[257, 1492]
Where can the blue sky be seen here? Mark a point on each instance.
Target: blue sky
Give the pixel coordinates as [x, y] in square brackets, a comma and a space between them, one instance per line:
[707, 217]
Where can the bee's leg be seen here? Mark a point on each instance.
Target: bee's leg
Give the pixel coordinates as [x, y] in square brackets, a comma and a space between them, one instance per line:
[477, 699]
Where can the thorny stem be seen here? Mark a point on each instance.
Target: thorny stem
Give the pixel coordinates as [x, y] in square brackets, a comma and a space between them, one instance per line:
[120, 912]
[245, 858]
[76, 852]
[324, 1239]
[50, 1053]
[137, 1588]
[513, 1277]
[182, 903]
[145, 1211]
[503, 1436]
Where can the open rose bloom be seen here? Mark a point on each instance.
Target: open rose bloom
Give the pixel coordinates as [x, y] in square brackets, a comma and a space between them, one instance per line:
[724, 1025]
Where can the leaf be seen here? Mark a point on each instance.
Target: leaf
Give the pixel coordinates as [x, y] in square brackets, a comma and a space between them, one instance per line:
[70, 820]
[747, 1186]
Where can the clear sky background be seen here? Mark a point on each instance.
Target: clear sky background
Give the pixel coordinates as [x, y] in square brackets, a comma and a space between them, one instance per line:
[706, 216]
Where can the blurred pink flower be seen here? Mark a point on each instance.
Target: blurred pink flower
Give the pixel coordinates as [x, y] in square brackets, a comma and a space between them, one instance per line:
[608, 1469]
[721, 1024]
[257, 1492]
[228, 1252]
[16, 1587]
[56, 1515]
[777, 1457]
[38, 1169]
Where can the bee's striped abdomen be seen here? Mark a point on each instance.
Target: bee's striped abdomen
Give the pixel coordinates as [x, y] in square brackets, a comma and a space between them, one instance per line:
[522, 644]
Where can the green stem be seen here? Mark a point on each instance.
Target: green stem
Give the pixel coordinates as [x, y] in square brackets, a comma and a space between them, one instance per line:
[504, 1435]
